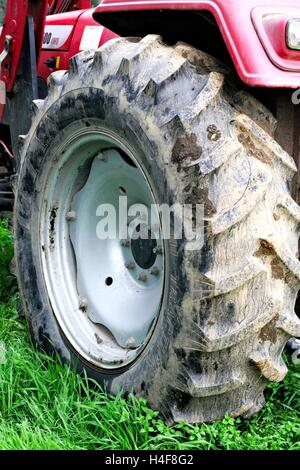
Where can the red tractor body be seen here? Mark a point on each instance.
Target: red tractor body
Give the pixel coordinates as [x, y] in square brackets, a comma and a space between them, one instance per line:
[254, 35]
[68, 34]
[58, 37]
[254, 32]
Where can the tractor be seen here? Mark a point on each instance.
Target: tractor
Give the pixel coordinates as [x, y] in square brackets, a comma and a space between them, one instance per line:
[156, 104]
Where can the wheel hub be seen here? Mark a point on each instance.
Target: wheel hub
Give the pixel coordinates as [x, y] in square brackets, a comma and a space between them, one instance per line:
[121, 280]
[144, 249]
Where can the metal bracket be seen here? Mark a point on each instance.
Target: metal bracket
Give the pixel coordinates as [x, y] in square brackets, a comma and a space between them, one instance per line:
[5, 52]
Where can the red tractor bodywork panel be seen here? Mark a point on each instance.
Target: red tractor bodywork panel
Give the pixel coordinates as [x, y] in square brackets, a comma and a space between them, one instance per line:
[243, 25]
[14, 26]
[67, 34]
[58, 37]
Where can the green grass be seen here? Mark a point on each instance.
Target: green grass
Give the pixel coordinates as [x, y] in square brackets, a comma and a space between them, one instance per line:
[44, 405]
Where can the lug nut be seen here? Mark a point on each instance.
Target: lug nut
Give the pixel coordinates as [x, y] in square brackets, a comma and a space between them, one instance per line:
[98, 339]
[130, 265]
[130, 343]
[71, 215]
[101, 157]
[125, 243]
[142, 277]
[83, 305]
[154, 271]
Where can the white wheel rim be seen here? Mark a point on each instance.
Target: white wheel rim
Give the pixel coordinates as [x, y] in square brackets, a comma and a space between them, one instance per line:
[105, 294]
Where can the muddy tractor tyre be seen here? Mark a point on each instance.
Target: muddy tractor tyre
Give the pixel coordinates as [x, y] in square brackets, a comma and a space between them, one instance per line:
[199, 333]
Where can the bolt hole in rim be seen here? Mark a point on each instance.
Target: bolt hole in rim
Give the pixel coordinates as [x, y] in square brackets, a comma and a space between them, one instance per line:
[122, 281]
[108, 281]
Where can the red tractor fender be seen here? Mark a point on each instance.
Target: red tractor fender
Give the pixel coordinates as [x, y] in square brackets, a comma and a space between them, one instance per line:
[253, 31]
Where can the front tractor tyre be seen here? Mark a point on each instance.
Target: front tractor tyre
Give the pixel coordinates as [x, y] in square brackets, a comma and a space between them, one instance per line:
[199, 333]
